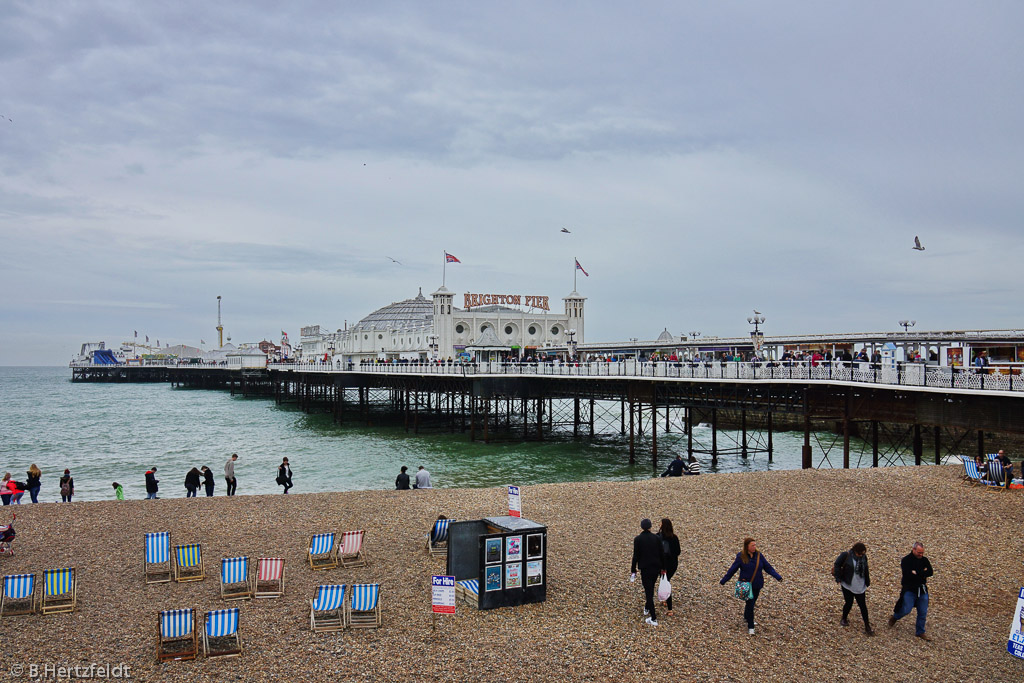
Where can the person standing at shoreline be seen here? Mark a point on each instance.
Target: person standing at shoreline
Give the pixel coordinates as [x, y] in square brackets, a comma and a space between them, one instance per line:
[402, 480]
[914, 589]
[229, 474]
[67, 486]
[152, 483]
[118, 491]
[851, 573]
[751, 565]
[648, 556]
[207, 480]
[191, 483]
[284, 475]
[5, 490]
[32, 483]
[670, 550]
[423, 478]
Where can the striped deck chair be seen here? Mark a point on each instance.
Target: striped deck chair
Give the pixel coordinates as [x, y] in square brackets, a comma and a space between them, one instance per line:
[327, 611]
[235, 583]
[323, 552]
[188, 563]
[176, 635]
[996, 477]
[971, 473]
[351, 552]
[60, 591]
[364, 611]
[220, 633]
[157, 564]
[469, 591]
[269, 577]
[19, 589]
[437, 541]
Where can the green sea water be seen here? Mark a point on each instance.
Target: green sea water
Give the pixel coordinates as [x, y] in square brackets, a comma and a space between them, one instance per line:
[114, 432]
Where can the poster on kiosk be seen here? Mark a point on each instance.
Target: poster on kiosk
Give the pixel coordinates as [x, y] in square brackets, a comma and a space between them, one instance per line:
[515, 502]
[1015, 645]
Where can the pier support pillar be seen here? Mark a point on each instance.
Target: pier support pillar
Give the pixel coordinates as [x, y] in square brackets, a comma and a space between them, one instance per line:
[714, 437]
[576, 417]
[981, 443]
[918, 446]
[743, 433]
[874, 443]
[591, 418]
[846, 432]
[771, 448]
[807, 461]
[654, 433]
[632, 445]
[938, 450]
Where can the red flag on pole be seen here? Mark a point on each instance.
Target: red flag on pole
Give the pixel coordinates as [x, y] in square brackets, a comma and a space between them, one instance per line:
[448, 258]
[580, 268]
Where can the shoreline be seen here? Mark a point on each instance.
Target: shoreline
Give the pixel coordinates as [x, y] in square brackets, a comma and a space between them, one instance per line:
[589, 627]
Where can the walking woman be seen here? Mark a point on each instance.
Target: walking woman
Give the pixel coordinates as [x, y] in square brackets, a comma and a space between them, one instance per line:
[751, 565]
[284, 475]
[207, 480]
[32, 483]
[851, 572]
[670, 549]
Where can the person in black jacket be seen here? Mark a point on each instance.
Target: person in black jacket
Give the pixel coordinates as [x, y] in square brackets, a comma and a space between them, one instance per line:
[675, 468]
[191, 483]
[851, 573]
[151, 483]
[284, 475]
[670, 551]
[402, 480]
[207, 480]
[648, 556]
[914, 589]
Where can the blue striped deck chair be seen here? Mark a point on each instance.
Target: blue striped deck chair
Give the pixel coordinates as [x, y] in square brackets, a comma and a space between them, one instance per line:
[323, 551]
[327, 611]
[234, 579]
[176, 635]
[364, 610]
[21, 590]
[188, 563]
[469, 591]
[996, 477]
[220, 633]
[157, 564]
[60, 590]
[437, 541]
[971, 474]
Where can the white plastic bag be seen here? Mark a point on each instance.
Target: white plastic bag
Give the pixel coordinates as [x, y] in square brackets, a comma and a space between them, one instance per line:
[664, 589]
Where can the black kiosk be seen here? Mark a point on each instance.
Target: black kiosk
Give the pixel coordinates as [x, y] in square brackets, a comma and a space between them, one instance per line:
[507, 555]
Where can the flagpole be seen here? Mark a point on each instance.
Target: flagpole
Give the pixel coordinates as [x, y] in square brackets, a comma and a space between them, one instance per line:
[574, 269]
[444, 268]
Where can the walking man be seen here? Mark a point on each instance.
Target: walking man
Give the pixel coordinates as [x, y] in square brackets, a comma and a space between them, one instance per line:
[647, 555]
[151, 483]
[913, 589]
[229, 474]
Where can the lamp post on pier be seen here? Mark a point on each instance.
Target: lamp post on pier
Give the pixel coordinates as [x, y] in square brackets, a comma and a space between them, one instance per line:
[636, 347]
[572, 344]
[756, 320]
[433, 346]
[907, 324]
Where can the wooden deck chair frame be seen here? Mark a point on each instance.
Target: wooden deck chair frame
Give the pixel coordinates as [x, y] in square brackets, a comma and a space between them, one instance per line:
[236, 590]
[324, 621]
[164, 653]
[325, 560]
[6, 610]
[234, 640]
[466, 595]
[370, 618]
[351, 552]
[153, 570]
[971, 469]
[60, 591]
[438, 547]
[189, 572]
[269, 581]
[994, 485]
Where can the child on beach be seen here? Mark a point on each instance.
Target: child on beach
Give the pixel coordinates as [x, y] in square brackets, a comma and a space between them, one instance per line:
[118, 491]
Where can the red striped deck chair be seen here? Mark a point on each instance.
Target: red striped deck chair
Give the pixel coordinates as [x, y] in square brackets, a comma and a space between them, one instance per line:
[328, 611]
[269, 577]
[188, 563]
[176, 635]
[60, 591]
[235, 583]
[220, 633]
[364, 612]
[351, 551]
[157, 563]
[19, 595]
[323, 552]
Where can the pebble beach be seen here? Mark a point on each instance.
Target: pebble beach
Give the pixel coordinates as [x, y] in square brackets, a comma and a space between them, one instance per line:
[590, 628]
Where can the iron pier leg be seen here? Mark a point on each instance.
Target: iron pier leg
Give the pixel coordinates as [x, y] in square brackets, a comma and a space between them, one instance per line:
[487, 421]
[714, 437]
[874, 443]
[808, 462]
[622, 413]
[981, 443]
[846, 432]
[632, 446]
[654, 433]
[771, 448]
[689, 438]
[576, 417]
[918, 447]
[938, 451]
[591, 418]
[540, 418]
[743, 433]
[472, 418]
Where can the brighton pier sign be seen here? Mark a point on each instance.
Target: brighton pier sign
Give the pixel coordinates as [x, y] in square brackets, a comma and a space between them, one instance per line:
[475, 300]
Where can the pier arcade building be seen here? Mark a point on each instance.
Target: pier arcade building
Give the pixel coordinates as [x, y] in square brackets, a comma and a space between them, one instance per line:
[485, 327]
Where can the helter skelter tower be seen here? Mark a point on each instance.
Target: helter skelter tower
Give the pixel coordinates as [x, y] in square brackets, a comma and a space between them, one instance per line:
[220, 328]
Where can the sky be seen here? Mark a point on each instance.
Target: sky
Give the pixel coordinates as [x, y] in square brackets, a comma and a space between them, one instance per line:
[708, 159]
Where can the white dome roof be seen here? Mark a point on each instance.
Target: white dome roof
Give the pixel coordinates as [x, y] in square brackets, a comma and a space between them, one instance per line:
[415, 312]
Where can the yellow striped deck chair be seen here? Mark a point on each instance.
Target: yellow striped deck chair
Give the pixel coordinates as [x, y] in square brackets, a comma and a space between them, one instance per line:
[188, 563]
[60, 590]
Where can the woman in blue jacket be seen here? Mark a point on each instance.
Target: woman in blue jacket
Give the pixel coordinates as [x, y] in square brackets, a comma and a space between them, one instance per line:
[751, 565]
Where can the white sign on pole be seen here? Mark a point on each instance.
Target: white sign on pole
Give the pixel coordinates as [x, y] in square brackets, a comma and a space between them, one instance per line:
[443, 594]
[1015, 645]
[515, 502]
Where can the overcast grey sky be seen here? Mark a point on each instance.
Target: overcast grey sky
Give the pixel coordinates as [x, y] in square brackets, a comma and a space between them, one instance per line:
[709, 158]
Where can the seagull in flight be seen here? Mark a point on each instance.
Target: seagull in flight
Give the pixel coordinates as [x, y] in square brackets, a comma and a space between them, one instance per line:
[395, 260]
[567, 231]
[917, 244]
[757, 312]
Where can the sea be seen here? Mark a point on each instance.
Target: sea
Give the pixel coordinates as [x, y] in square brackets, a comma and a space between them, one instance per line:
[114, 432]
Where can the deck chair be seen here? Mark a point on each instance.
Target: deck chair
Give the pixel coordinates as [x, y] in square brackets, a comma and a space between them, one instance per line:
[19, 589]
[269, 577]
[188, 563]
[996, 476]
[220, 633]
[972, 475]
[157, 565]
[437, 542]
[469, 591]
[234, 579]
[323, 552]
[328, 611]
[176, 635]
[364, 611]
[350, 552]
[60, 591]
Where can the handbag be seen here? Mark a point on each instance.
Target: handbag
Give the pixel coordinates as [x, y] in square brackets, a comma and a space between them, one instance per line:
[744, 589]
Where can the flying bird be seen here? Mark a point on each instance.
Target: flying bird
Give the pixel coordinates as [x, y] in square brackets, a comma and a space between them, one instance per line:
[567, 231]
[757, 312]
[395, 260]
[917, 244]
